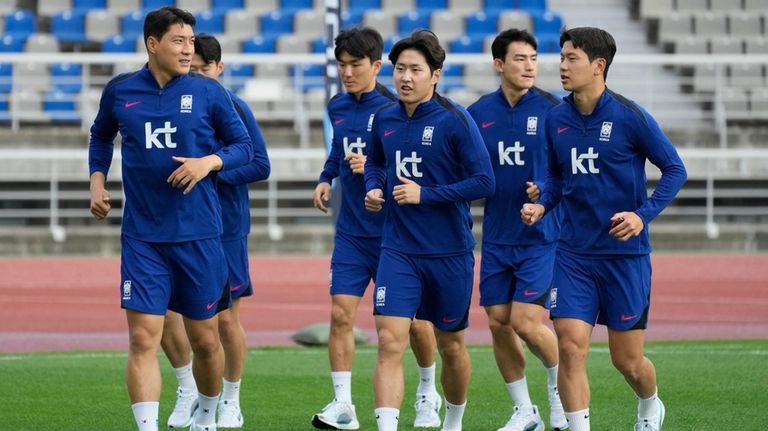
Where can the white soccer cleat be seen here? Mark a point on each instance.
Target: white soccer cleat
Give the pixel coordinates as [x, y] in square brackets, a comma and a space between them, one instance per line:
[229, 415]
[427, 410]
[557, 419]
[336, 415]
[196, 427]
[652, 423]
[186, 403]
[525, 419]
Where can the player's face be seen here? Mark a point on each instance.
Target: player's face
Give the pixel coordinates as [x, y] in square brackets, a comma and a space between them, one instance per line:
[358, 74]
[414, 82]
[576, 71]
[174, 50]
[211, 70]
[518, 70]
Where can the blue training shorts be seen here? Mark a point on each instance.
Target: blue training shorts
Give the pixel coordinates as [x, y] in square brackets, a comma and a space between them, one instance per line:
[520, 273]
[438, 289]
[614, 291]
[353, 264]
[236, 252]
[188, 277]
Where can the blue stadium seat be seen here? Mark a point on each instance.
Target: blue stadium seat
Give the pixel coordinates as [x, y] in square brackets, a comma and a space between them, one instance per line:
[481, 24]
[389, 42]
[360, 6]
[313, 76]
[69, 26]
[66, 77]
[431, 5]
[451, 77]
[497, 6]
[211, 22]
[351, 18]
[467, 44]
[547, 23]
[294, 5]
[549, 43]
[276, 23]
[6, 78]
[385, 74]
[87, 5]
[413, 20]
[532, 5]
[61, 106]
[260, 45]
[226, 5]
[132, 25]
[236, 74]
[317, 45]
[119, 43]
[9, 43]
[20, 24]
[156, 4]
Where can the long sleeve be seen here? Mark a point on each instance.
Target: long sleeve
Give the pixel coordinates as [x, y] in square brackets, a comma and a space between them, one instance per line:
[375, 171]
[103, 132]
[552, 188]
[237, 149]
[259, 167]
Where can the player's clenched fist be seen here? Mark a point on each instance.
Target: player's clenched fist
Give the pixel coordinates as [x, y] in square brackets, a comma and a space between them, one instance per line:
[531, 213]
[374, 200]
[407, 193]
[356, 162]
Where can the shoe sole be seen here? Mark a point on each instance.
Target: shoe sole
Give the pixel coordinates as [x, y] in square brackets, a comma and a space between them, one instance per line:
[319, 424]
[662, 411]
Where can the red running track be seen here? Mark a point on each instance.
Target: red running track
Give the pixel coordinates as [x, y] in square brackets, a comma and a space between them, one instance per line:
[57, 304]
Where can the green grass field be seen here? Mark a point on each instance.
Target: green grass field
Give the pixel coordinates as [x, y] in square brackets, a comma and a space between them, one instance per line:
[705, 386]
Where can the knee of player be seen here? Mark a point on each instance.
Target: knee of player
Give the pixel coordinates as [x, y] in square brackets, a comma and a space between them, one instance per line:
[450, 346]
[342, 318]
[628, 366]
[206, 345]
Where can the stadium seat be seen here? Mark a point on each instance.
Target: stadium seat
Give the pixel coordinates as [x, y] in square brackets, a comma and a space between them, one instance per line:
[705, 78]
[479, 76]
[547, 23]
[385, 73]
[294, 5]
[724, 5]
[691, 45]
[725, 45]
[351, 18]
[735, 103]
[756, 5]
[7, 6]
[317, 45]
[28, 104]
[308, 76]
[31, 76]
[61, 106]
[464, 7]
[6, 78]
[259, 44]
[9, 43]
[122, 7]
[119, 43]
[745, 24]
[53, 7]
[87, 5]
[226, 5]
[447, 24]
[132, 25]
[389, 42]
[759, 103]
[410, 21]
[495, 7]
[481, 24]
[382, 20]
[688, 6]
[708, 24]
[431, 5]
[533, 6]
[673, 26]
[276, 23]
[101, 24]
[148, 5]
[236, 74]
[20, 24]
[361, 6]
[196, 7]
[262, 6]
[241, 24]
[398, 6]
[656, 8]
[42, 43]
[210, 22]
[756, 45]
[549, 43]
[69, 26]
[292, 44]
[451, 77]
[467, 44]
[746, 75]
[309, 22]
[66, 77]
[515, 19]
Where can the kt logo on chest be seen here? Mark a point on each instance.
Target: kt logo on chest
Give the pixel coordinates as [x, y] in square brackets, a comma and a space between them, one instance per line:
[152, 137]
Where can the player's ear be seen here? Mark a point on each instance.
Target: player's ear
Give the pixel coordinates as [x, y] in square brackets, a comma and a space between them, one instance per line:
[498, 64]
[151, 44]
[377, 66]
[219, 68]
[599, 66]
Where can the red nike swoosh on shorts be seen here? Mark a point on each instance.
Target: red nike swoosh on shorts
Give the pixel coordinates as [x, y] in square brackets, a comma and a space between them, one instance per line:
[625, 318]
[488, 124]
[338, 121]
[129, 104]
[209, 306]
[449, 320]
[236, 288]
[527, 292]
[389, 132]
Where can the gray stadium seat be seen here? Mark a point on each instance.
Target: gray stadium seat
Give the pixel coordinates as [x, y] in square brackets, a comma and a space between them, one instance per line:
[756, 45]
[759, 103]
[756, 5]
[309, 22]
[691, 45]
[705, 77]
[692, 5]
[725, 45]
[463, 96]
[655, 8]
[710, 24]
[229, 45]
[515, 19]
[52, 7]
[292, 44]
[382, 20]
[122, 6]
[746, 75]
[735, 103]
[28, 105]
[447, 24]
[241, 24]
[262, 6]
[42, 43]
[398, 6]
[272, 70]
[745, 24]
[194, 6]
[100, 24]
[31, 76]
[465, 7]
[548, 77]
[674, 25]
[724, 5]
[480, 76]
[7, 6]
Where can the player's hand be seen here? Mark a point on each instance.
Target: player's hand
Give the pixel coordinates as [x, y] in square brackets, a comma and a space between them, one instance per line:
[192, 170]
[531, 213]
[100, 202]
[374, 200]
[532, 190]
[356, 162]
[321, 196]
[407, 193]
[625, 225]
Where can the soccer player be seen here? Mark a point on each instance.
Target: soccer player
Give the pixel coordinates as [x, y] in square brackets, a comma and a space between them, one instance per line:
[427, 162]
[232, 187]
[516, 268]
[176, 128]
[599, 142]
[357, 244]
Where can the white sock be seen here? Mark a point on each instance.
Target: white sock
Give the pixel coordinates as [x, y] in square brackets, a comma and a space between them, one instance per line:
[206, 410]
[185, 377]
[146, 415]
[231, 391]
[648, 407]
[453, 415]
[387, 418]
[552, 376]
[518, 390]
[342, 385]
[426, 380]
[578, 421]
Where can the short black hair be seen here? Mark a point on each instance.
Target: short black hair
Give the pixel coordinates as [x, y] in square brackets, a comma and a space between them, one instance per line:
[157, 22]
[501, 42]
[359, 42]
[426, 43]
[595, 42]
[208, 48]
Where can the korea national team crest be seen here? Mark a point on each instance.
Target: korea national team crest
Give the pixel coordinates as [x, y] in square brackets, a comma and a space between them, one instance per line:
[126, 290]
[370, 123]
[381, 295]
[553, 298]
[426, 136]
[533, 123]
[186, 103]
[605, 131]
